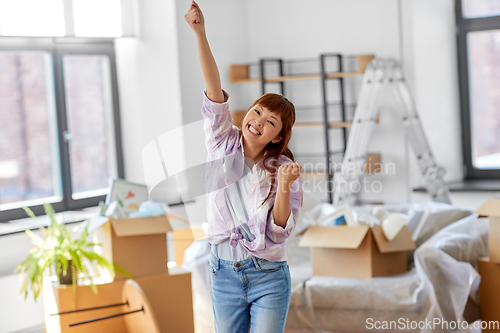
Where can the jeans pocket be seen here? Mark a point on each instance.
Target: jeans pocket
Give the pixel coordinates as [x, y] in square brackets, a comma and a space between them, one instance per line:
[267, 266]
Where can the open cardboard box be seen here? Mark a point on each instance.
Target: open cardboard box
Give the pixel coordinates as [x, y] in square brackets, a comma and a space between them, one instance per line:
[491, 209]
[137, 244]
[489, 291]
[358, 252]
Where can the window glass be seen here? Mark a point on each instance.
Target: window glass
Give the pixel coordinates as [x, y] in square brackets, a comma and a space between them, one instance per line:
[29, 154]
[480, 8]
[97, 18]
[32, 18]
[89, 112]
[484, 85]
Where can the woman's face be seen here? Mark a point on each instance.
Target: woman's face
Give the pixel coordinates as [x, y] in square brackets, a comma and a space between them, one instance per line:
[261, 126]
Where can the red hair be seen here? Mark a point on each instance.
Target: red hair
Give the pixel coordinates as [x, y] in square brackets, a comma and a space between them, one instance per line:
[281, 106]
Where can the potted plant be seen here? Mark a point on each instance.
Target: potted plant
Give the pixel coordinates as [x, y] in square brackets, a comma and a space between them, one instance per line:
[57, 251]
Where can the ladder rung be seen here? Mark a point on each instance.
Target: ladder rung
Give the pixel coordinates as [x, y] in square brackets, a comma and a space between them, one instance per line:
[319, 124]
[321, 154]
[311, 76]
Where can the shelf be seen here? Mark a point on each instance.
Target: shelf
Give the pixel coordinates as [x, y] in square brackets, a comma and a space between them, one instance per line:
[238, 117]
[311, 76]
[340, 151]
[293, 78]
[245, 80]
[339, 75]
[239, 73]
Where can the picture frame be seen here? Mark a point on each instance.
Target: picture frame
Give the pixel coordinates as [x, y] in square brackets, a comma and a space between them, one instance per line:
[341, 216]
[129, 195]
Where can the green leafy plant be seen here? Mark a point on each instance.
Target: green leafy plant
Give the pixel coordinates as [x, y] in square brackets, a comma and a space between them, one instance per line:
[56, 250]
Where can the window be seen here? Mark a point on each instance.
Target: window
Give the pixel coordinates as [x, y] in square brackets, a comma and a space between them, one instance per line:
[59, 126]
[59, 120]
[67, 18]
[478, 23]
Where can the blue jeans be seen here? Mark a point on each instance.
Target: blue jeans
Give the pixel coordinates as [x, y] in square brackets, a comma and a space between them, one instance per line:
[253, 292]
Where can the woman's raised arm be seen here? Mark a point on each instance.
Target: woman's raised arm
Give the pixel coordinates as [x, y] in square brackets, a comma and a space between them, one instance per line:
[209, 68]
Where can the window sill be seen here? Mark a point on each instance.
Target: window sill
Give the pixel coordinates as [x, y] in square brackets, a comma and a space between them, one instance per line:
[476, 185]
[68, 217]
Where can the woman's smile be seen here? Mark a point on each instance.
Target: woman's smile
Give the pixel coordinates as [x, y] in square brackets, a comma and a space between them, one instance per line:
[252, 129]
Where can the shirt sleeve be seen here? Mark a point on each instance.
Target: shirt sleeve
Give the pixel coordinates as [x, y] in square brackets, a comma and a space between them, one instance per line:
[279, 234]
[218, 123]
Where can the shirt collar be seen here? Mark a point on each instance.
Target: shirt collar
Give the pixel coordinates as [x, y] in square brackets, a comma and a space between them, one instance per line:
[260, 164]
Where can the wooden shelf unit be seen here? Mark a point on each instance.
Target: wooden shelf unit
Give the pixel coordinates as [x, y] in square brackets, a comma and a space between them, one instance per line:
[240, 73]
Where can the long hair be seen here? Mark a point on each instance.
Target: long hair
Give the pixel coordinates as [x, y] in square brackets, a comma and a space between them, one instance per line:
[281, 106]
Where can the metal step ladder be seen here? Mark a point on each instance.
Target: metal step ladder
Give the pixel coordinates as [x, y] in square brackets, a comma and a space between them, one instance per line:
[384, 76]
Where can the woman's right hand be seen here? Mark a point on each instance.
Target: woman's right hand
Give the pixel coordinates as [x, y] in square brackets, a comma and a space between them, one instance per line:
[194, 17]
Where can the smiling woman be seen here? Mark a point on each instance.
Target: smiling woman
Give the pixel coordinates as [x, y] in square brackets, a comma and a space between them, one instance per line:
[252, 207]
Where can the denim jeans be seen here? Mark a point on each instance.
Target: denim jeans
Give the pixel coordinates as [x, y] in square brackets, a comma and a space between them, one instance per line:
[250, 293]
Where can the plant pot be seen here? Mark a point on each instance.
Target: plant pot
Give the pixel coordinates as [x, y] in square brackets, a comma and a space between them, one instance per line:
[68, 278]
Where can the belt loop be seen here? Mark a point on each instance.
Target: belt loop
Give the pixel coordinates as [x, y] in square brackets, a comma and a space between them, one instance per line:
[255, 262]
[213, 250]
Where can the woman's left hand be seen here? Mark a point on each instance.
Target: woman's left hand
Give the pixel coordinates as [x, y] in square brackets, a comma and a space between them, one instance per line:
[288, 173]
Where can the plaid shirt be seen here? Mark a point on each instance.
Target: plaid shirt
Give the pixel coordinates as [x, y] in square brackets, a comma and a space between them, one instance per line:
[225, 166]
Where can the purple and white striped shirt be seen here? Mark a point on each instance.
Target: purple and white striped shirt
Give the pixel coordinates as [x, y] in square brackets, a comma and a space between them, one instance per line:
[225, 165]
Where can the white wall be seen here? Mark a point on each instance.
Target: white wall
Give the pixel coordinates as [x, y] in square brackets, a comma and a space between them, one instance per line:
[418, 33]
[16, 313]
[241, 32]
[435, 69]
[150, 104]
[148, 81]
[226, 25]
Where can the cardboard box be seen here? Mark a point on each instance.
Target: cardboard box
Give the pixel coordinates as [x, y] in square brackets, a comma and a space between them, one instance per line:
[238, 73]
[59, 298]
[491, 209]
[137, 244]
[372, 164]
[171, 298]
[489, 291]
[183, 238]
[358, 252]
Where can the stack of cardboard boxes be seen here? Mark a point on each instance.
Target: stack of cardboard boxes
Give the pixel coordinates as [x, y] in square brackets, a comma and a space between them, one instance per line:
[140, 246]
[489, 268]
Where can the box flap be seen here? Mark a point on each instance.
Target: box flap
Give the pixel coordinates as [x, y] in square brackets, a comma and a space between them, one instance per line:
[402, 241]
[489, 208]
[141, 226]
[342, 237]
[96, 222]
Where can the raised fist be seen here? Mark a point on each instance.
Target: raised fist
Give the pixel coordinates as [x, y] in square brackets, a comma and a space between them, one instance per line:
[288, 173]
[194, 17]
